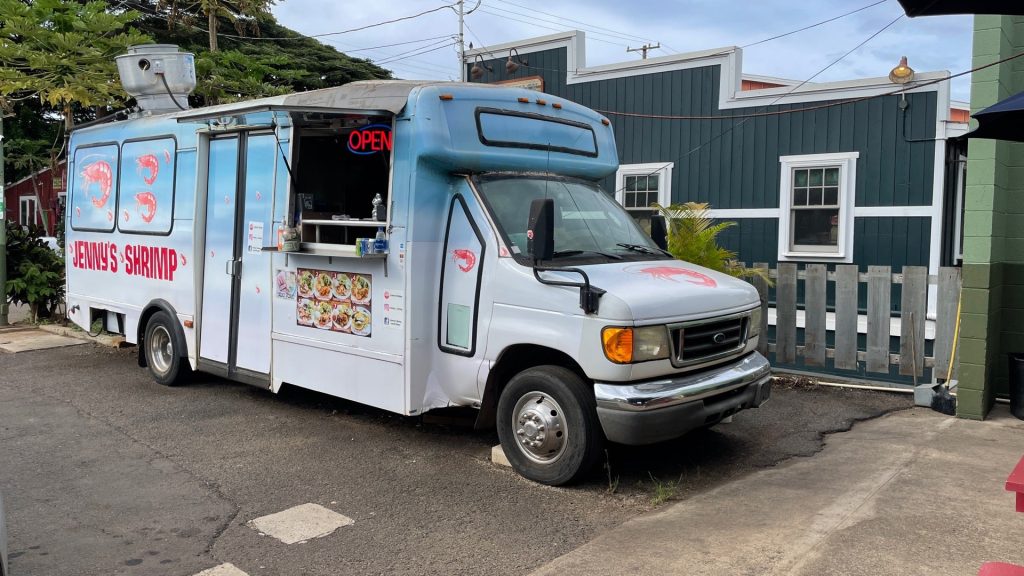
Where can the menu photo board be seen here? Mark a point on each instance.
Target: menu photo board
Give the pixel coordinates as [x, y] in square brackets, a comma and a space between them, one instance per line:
[334, 301]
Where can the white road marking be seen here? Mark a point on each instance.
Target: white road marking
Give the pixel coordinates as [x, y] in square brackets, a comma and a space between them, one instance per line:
[300, 523]
[225, 569]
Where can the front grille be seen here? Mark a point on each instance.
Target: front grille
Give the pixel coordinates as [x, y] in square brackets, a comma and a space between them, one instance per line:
[704, 341]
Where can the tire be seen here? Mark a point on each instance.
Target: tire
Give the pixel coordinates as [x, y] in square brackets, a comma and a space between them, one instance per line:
[542, 400]
[165, 360]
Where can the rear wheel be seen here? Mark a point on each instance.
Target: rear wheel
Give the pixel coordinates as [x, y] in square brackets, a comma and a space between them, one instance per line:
[166, 362]
[548, 427]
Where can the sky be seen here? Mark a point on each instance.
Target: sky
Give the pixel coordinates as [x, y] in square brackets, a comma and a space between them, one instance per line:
[427, 47]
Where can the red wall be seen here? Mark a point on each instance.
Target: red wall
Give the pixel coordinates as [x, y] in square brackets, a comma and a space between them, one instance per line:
[47, 197]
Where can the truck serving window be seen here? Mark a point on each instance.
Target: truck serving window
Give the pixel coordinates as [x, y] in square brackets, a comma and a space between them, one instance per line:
[146, 197]
[341, 170]
[535, 131]
[94, 188]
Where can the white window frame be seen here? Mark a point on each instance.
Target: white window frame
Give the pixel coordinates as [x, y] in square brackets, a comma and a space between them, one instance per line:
[662, 169]
[27, 217]
[847, 163]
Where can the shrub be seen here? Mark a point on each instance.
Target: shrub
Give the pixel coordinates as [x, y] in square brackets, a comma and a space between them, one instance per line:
[35, 273]
[693, 237]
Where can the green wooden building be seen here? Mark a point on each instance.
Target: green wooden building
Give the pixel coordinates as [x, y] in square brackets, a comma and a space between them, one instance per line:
[816, 173]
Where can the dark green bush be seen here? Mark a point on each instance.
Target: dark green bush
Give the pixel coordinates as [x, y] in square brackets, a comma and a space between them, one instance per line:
[35, 273]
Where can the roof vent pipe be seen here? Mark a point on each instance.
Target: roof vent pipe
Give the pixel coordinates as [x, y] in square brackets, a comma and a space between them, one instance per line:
[158, 76]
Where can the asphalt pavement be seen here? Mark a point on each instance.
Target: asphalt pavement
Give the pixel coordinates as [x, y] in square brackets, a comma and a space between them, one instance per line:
[105, 472]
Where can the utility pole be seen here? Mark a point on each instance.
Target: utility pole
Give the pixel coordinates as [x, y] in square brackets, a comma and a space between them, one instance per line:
[643, 49]
[3, 230]
[462, 44]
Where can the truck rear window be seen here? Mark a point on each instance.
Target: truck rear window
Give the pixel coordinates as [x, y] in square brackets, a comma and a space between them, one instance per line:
[535, 131]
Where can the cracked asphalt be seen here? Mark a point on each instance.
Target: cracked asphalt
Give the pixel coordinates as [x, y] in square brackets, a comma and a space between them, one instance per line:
[105, 472]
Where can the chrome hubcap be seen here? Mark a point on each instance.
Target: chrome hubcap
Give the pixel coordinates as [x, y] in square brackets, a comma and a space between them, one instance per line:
[161, 351]
[539, 427]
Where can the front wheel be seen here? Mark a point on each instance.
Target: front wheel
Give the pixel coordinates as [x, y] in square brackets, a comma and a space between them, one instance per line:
[548, 427]
[166, 362]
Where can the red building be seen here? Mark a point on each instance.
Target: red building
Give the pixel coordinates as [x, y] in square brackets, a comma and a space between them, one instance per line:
[42, 203]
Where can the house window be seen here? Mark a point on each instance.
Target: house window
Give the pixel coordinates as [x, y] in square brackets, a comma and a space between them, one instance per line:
[27, 211]
[816, 204]
[637, 186]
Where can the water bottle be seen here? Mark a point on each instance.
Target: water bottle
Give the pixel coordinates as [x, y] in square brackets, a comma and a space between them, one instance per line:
[380, 242]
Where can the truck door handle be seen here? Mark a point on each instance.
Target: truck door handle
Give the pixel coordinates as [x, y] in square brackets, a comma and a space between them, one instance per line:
[233, 267]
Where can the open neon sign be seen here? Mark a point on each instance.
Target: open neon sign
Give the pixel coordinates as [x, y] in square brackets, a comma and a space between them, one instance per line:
[370, 139]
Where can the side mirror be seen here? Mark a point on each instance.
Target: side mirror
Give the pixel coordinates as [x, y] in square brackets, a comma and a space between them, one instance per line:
[659, 232]
[540, 231]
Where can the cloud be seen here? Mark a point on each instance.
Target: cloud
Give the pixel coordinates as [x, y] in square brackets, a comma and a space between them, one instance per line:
[931, 43]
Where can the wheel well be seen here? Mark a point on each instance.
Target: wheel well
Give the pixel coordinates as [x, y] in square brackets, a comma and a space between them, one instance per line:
[512, 361]
[154, 307]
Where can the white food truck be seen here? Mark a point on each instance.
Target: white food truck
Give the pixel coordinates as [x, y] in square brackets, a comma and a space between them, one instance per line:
[455, 249]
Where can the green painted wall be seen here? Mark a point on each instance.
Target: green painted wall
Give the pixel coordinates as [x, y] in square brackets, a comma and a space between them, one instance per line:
[992, 320]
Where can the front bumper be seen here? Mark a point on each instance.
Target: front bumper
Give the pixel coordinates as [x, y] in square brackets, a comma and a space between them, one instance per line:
[666, 408]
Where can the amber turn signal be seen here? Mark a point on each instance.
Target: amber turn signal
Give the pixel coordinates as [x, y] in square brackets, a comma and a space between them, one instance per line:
[618, 344]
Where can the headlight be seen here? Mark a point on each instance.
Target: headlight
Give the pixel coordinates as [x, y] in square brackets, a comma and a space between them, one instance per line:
[627, 345]
[755, 323]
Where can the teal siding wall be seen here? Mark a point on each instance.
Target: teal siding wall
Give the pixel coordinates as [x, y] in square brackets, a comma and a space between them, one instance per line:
[735, 163]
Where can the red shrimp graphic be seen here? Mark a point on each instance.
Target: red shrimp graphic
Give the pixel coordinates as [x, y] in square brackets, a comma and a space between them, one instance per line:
[669, 273]
[110, 215]
[78, 211]
[149, 167]
[465, 259]
[126, 215]
[99, 173]
[145, 204]
[182, 259]
[167, 157]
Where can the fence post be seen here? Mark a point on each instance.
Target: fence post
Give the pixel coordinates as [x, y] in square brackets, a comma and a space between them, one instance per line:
[847, 305]
[879, 317]
[785, 314]
[945, 319]
[815, 288]
[762, 290]
[912, 311]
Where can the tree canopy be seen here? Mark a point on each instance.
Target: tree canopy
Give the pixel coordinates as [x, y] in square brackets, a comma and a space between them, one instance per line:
[57, 57]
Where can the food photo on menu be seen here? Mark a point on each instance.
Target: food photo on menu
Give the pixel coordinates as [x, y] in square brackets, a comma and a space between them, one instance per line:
[334, 301]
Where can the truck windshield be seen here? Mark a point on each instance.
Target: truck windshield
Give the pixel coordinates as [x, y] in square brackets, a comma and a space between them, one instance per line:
[588, 222]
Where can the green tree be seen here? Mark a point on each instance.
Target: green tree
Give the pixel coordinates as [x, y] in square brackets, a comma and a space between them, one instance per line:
[36, 273]
[244, 14]
[63, 51]
[693, 237]
[261, 65]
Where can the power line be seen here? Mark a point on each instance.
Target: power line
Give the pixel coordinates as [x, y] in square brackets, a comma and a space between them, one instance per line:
[532, 23]
[816, 24]
[748, 117]
[613, 34]
[534, 19]
[594, 26]
[421, 50]
[374, 25]
[398, 43]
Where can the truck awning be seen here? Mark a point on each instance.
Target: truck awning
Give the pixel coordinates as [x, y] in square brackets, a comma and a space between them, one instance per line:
[364, 97]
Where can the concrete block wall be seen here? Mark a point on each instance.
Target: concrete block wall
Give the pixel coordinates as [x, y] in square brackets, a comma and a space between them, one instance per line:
[992, 314]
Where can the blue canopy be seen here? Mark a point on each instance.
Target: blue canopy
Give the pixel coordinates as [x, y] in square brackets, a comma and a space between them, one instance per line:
[1002, 121]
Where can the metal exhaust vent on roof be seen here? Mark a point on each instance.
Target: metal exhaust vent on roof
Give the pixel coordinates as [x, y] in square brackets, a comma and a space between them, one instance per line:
[158, 76]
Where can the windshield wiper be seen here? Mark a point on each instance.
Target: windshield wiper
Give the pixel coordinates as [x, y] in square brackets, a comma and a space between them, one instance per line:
[636, 247]
[642, 249]
[562, 253]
